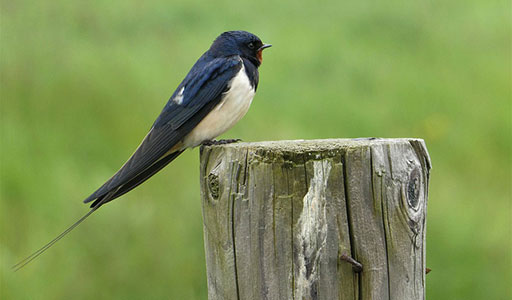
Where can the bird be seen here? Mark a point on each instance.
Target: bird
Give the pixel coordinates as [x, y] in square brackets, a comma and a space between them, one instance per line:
[215, 94]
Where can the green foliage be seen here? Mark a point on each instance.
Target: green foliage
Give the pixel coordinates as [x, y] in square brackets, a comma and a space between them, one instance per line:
[82, 82]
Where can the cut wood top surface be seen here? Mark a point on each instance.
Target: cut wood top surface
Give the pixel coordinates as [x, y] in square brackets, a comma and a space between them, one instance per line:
[323, 145]
[319, 144]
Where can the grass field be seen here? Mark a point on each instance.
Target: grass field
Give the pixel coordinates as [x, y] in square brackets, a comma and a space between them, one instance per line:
[82, 82]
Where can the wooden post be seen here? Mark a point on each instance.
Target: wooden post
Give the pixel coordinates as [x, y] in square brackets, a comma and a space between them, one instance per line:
[278, 216]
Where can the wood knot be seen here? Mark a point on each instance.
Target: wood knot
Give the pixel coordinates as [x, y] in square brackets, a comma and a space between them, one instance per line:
[213, 185]
[414, 188]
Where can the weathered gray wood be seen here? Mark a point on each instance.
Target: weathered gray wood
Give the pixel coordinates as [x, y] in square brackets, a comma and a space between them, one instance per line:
[279, 215]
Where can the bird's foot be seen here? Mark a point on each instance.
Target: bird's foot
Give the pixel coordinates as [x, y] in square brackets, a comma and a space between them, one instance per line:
[356, 266]
[366, 139]
[220, 142]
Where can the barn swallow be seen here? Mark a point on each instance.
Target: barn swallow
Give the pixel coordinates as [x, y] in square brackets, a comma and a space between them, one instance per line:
[214, 96]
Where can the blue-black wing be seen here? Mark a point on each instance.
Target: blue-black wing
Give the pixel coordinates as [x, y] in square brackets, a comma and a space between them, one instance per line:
[202, 91]
[204, 85]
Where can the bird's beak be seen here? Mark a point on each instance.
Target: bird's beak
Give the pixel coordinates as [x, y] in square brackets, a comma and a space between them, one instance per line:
[264, 46]
[260, 50]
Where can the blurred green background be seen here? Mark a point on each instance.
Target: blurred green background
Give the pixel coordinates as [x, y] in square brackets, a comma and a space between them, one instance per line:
[82, 82]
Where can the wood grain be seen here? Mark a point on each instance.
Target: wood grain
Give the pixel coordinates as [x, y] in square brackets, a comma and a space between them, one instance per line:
[279, 215]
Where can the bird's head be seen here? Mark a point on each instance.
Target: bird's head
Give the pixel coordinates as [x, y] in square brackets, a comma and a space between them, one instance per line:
[241, 43]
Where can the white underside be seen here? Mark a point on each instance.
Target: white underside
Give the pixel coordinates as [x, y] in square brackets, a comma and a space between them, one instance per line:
[233, 106]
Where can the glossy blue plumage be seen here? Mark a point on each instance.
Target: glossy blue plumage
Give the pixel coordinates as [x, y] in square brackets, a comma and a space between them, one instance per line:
[199, 93]
[195, 100]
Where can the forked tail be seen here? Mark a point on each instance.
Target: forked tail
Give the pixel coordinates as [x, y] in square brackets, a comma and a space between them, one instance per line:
[104, 198]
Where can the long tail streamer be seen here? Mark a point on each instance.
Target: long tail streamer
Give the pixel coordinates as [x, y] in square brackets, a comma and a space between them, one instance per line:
[34, 255]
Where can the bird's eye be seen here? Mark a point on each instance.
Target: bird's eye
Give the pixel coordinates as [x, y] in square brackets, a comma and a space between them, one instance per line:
[250, 45]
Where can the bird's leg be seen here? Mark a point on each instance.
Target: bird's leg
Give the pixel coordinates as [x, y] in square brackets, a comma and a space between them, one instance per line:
[356, 266]
[220, 142]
